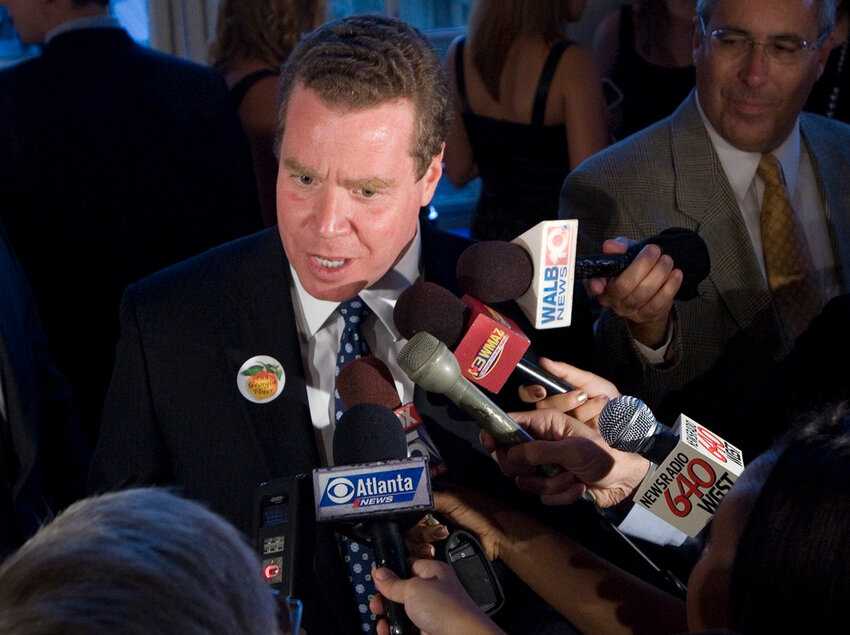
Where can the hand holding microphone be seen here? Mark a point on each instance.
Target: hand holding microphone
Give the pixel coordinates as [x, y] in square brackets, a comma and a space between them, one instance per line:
[643, 293]
[538, 268]
[695, 467]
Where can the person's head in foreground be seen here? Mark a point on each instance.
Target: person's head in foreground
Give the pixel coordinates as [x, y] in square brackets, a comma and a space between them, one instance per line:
[778, 558]
[136, 561]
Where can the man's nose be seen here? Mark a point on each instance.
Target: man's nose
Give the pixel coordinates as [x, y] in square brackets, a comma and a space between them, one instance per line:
[331, 212]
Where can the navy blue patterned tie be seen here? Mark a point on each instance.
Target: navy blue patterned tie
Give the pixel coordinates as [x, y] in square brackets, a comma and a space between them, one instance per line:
[358, 557]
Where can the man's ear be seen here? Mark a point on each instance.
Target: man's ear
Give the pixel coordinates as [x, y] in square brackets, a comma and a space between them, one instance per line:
[432, 176]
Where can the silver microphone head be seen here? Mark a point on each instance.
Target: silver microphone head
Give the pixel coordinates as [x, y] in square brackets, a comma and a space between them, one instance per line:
[625, 422]
[429, 363]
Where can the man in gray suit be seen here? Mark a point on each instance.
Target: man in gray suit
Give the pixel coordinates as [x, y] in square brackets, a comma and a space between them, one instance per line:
[756, 61]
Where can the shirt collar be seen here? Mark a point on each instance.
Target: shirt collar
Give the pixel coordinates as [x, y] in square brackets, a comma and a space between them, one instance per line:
[90, 22]
[740, 167]
[380, 297]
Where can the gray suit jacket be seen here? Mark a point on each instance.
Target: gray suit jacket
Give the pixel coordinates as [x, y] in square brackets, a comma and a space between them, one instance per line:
[669, 175]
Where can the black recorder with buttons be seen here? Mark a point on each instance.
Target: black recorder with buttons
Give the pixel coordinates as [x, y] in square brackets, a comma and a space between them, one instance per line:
[279, 505]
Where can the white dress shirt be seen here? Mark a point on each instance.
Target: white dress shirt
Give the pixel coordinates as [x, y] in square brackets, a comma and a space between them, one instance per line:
[320, 328]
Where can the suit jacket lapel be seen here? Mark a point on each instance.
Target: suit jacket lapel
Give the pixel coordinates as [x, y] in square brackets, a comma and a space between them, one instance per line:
[703, 193]
[281, 430]
[831, 163]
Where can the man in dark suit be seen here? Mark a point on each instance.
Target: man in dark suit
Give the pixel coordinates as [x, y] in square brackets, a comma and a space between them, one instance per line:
[363, 120]
[756, 61]
[115, 161]
[43, 456]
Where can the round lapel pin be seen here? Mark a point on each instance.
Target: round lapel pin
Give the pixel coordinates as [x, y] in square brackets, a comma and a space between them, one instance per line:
[261, 379]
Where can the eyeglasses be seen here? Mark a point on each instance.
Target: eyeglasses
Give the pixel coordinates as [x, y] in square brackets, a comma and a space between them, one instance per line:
[733, 45]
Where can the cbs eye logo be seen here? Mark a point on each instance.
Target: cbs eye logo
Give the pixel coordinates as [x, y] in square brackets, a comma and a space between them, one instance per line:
[340, 490]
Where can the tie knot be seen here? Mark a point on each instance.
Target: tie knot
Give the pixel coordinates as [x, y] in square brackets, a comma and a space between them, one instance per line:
[353, 311]
[769, 170]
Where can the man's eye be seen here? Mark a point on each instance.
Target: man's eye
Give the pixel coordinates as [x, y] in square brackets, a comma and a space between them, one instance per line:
[786, 47]
[305, 180]
[368, 193]
[733, 41]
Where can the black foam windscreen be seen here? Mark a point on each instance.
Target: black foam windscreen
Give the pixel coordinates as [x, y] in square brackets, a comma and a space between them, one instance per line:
[368, 432]
[425, 306]
[494, 271]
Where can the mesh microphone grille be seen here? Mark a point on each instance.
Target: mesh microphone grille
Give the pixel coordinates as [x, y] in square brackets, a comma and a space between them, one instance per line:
[624, 422]
[417, 351]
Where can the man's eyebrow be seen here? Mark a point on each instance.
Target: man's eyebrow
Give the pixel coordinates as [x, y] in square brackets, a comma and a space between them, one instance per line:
[294, 166]
[370, 183]
[774, 36]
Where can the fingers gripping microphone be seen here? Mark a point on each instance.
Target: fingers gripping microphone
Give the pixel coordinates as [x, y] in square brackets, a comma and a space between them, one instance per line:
[533, 272]
[368, 380]
[695, 467]
[374, 489]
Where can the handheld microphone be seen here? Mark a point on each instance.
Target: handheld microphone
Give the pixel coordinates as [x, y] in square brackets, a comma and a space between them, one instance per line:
[695, 467]
[488, 346]
[374, 489]
[538, 268]
[429, 363]
[368, 380]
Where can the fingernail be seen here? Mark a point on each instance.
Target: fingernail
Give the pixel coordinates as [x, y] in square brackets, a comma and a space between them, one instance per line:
[538, 392]
[441, 532]
[581, 397]
[381, 574]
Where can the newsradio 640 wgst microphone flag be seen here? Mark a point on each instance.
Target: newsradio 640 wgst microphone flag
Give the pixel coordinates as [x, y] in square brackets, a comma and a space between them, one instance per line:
[696, 468]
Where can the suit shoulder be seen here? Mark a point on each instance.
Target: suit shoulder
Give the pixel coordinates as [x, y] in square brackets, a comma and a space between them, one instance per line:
[215, 272]
[651, 144]
[19, 75]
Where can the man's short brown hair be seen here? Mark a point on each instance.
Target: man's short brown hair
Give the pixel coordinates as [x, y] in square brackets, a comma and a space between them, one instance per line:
[364, 61]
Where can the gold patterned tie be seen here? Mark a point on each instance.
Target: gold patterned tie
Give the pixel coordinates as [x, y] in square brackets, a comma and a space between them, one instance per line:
[786, 255]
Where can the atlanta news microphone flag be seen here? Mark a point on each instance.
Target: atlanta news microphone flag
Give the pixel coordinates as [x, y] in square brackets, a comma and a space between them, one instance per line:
[696, 468]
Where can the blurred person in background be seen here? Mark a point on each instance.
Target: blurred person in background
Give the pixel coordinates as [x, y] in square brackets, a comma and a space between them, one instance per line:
[253, 38]
[529, 108]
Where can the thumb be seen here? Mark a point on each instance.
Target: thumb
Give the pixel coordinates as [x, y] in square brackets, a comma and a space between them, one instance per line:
[617, 245]
[389, 584]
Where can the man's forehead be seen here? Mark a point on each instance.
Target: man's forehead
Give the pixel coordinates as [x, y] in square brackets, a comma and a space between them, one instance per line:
[776, 17]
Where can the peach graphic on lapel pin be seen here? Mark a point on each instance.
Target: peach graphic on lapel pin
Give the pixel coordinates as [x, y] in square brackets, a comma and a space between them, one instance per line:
[261, 379]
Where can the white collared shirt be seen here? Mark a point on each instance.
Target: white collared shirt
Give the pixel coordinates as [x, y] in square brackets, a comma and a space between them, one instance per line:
[320, 328]
[803, 189]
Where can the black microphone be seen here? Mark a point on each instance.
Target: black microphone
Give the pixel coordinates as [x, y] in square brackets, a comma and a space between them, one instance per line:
[374, 488]
[368, 380]
[496, 271]
[428, 307]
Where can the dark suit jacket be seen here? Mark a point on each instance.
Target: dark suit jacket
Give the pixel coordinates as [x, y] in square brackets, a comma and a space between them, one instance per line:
[43, 457]
[753, 410]
[669, 175]
[115, 161]
[174, 414]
